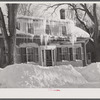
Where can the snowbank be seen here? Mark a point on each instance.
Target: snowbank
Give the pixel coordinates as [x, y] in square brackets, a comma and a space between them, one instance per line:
[1, 69]
[28, 75]
[91, 72]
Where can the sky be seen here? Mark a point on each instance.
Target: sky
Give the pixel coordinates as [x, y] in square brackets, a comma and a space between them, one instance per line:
[37, 12]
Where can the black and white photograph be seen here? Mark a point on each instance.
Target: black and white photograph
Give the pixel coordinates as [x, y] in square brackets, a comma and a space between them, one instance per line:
[50, 45]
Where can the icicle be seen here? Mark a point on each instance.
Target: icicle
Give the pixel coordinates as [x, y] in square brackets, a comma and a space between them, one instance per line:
[46, 39]
[41, 38]
[73, 39]
[44, 25]
[32, 36]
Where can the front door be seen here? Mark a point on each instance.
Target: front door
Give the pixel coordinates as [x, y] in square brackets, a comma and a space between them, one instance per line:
[48, 58]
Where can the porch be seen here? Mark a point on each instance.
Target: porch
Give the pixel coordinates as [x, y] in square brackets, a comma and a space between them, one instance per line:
[51, 55]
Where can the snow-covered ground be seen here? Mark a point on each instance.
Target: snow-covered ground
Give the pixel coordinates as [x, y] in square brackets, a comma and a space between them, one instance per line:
[35, 76]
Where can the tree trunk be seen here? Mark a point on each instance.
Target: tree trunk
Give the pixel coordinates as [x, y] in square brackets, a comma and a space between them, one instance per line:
[12, 11]
[97, 44]
[5, 38]
[96, 35]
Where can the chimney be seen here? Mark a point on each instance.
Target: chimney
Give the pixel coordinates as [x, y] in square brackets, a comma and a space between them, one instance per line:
[62, 14]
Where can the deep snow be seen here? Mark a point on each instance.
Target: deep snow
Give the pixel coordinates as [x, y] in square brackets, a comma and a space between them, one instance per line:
[91, 72]
[35, 76]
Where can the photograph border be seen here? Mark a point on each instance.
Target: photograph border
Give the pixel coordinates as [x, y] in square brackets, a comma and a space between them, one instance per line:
[69, 94]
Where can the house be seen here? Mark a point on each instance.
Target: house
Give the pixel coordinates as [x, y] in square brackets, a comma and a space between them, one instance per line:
[50, 42]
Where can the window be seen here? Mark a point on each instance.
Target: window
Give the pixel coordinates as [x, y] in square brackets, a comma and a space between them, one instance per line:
[62, 54]
[69, 54]
[64, 30]
[65, 55]
[30, 28]
[48, 30]
[30, 54]
[78, 53]
[35, 54]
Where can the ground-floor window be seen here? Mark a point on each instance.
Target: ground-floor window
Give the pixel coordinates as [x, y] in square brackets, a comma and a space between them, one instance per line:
[62, 54]
[69, 53]
[29, 54]
[78, 53]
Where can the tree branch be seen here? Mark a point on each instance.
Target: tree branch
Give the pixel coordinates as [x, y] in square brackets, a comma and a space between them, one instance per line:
[87, 11]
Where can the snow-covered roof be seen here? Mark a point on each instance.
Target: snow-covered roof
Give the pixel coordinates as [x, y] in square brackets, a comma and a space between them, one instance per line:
[23, 33]
[80, 32]
[73, 32]
[41, 18]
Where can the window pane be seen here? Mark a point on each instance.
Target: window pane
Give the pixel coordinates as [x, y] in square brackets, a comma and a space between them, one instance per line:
[35, 54]
[30, 54]
[65, 54]
[64, 30]
[78, 53]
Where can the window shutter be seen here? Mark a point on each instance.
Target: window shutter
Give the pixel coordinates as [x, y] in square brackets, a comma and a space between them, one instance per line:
[59, 54]
[64, 30]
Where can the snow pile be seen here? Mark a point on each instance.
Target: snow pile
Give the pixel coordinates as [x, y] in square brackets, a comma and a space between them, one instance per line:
[28, 75]
[1, 69]
[91, 72]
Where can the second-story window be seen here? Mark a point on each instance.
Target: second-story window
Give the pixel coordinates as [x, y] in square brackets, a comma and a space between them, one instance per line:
[64, 30]
[48, 30]
[78, 53]
[30, 28]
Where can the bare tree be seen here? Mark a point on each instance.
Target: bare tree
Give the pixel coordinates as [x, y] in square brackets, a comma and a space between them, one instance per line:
[10, 40]
[91, 12]
[24, 9]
